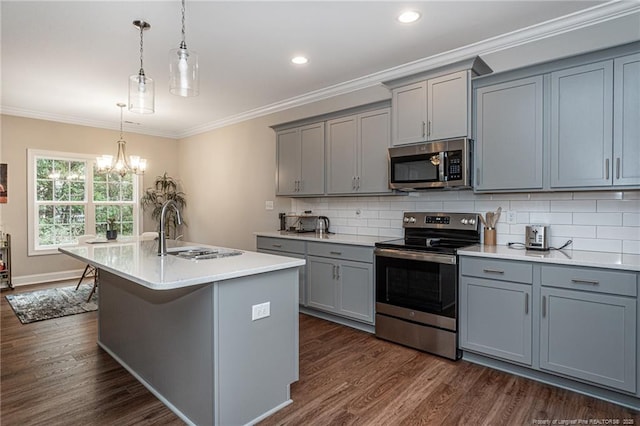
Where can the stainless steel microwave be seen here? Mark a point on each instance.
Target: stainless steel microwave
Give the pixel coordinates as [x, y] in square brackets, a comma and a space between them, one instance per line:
[441, 164]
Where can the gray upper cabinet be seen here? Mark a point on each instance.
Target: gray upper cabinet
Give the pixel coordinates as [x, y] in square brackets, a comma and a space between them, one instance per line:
[509, 135]
[300, 156]
[409, 112]
[447, 105]
[582, 126]
[626, 135]
[432, 109]
[357, 153]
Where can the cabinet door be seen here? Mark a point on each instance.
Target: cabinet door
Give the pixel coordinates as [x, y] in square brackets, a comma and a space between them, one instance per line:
[288, 148]
[409, 115]
[312, 159]
[356, 290]
[589, 336]
[322, 284]
[509, 135]
[373, 150]
[626, 125]
[581, 126]
[342, 134]
[495, 319]
[447, 106]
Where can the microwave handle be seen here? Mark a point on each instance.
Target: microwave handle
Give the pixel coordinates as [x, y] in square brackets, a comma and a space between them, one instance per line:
[441, 166]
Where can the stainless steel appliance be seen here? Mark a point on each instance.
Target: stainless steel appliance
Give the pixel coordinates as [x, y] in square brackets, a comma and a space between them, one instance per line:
[536, 237]
[443, 164]
[417, 281]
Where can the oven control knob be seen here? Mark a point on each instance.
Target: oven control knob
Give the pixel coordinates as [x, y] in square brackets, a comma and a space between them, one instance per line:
[472, 221]
[406, 219]
[464, 221]
[412, 219]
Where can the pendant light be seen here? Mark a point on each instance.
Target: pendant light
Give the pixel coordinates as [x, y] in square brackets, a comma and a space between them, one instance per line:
[122, 166]
[141, 90]
[183, 68]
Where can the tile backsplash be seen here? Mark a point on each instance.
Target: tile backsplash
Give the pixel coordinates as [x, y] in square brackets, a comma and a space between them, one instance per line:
[595, 221]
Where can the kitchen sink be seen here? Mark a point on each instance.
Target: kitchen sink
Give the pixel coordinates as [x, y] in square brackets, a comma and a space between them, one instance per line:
[202, 253]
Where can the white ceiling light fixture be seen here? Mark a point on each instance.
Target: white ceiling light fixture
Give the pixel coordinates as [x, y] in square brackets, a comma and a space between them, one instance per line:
[184, 79]
[409, 16]
[141, 87]
[122, 166]
[299, 60]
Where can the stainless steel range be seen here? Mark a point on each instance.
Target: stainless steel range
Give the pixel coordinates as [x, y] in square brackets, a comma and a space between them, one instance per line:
[417, 281]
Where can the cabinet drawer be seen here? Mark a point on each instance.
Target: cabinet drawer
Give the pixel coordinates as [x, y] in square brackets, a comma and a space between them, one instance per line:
[589, 279]
[341, 251]
[503, 270]
[280, 244]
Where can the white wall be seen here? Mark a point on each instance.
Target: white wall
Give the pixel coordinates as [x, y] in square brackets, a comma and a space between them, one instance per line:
[595, 221]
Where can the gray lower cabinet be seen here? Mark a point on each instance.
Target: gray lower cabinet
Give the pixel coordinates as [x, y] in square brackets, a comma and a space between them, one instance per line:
[289, 248]
[509, 135]
[495, 311]
[583, 325]
[340, 280]
[588, 325]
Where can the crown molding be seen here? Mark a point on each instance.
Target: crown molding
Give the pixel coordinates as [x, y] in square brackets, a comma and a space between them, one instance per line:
[572, 22]
[79, 121]
[582, 19]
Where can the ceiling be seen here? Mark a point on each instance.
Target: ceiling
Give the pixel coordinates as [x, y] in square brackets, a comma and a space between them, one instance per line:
[70, 61]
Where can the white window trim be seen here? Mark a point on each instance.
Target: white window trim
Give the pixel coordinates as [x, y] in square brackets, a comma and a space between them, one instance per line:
[32, 220]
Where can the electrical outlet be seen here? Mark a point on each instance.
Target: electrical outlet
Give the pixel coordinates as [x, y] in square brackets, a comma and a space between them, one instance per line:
[268, 205]
[261, 310]
[512, 217]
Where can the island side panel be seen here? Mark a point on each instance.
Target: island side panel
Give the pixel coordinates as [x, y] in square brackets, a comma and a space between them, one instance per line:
[256, 360]
[166, 337]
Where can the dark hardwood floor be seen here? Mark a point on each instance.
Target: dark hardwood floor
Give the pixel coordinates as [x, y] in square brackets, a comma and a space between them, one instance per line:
[53, 373]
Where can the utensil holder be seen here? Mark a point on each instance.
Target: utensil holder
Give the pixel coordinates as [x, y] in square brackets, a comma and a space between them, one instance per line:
[489, 236]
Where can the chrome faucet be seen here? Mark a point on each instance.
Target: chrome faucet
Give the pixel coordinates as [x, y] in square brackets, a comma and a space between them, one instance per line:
[162, 238]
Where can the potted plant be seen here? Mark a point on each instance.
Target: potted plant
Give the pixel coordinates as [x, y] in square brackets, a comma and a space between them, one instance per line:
[164, 188]
[112, 233]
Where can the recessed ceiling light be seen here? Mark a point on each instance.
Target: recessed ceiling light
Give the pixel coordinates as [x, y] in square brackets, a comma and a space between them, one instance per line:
[299, 60]
[409, 16]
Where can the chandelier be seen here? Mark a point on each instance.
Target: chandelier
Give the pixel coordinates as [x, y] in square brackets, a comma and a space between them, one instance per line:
[122, 166]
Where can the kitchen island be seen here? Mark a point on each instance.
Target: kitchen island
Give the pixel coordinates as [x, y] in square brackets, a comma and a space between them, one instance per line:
[216, 340]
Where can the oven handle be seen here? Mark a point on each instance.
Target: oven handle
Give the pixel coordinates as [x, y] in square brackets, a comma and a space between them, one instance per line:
[420, 256]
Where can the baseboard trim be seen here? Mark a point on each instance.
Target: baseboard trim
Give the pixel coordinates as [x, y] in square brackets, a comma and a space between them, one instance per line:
[45, 278]
[337, 319]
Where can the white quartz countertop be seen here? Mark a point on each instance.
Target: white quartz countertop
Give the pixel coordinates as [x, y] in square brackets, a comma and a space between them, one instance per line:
[596, 259]
[138, 261]
[357, 240]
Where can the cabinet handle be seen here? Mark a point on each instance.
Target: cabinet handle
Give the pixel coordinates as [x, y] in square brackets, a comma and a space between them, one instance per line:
[429, 128]
[424, 130]
[618, 168]
[591, 282]
[358, 182]
[606, 167]
[493, 271]
[276, 245]
[353, 183]
[478, 176]
[300, 185]
[337, 253]
[337, 272]
[526, 303]
[333, 269]
[544, 306]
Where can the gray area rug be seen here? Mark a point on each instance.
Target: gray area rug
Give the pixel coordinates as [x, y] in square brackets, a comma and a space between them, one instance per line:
[52, 303]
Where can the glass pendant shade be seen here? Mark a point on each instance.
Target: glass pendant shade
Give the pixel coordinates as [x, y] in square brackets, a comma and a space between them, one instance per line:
[183, 72]
[141, 94]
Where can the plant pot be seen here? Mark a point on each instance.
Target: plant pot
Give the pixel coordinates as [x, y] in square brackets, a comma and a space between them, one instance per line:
[112, 234]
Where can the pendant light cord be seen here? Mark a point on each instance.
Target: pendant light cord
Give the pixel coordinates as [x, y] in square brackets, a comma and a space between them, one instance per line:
[183, 43]
[141, 49]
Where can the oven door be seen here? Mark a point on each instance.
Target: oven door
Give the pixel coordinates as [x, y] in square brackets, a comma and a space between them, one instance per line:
[416, 286]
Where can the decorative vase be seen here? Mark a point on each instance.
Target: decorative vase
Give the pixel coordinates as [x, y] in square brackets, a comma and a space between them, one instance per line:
[112, 234]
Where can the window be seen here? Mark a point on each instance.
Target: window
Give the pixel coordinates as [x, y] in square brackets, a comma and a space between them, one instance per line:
[68, 198]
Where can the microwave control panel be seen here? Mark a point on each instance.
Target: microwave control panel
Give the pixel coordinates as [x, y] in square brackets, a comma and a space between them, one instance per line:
[454, 165]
